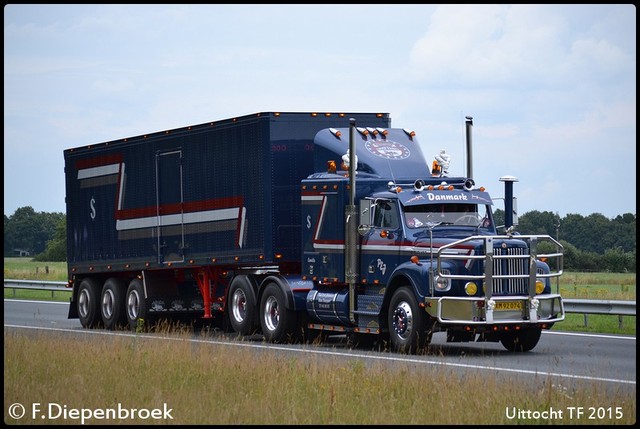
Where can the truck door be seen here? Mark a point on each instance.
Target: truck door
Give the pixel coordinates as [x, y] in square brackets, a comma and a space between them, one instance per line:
[381, 245]
[170, 229]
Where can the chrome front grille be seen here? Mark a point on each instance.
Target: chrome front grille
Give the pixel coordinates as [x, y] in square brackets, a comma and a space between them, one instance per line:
[510, 271]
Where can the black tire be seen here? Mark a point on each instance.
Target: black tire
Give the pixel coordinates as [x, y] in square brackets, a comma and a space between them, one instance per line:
[243, 309]
[279, 324]
[523, 340]
[112, 304]
[88, 303]
[136, 308]
[409, 327]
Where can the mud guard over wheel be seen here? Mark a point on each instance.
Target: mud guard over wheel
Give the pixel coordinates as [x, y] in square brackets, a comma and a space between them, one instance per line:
[522, 340]
[88, 302]
[409, 326]
[279, 324]
[243, 307]
[112, 304]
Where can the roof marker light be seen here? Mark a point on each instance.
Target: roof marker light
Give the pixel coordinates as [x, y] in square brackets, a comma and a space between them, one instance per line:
[409, 132]
[382, 131]
[335, 132]
[362, 131]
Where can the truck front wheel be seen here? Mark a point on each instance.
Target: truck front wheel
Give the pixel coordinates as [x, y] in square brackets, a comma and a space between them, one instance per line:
[278, 323]
[408, 326]
[522, 340]
[89, 303]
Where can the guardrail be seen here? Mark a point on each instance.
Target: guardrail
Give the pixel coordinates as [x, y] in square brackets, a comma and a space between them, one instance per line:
[578, 306]
[36, 285]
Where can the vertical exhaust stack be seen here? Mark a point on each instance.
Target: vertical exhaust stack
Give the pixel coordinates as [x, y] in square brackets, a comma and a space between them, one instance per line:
[351, 225]
[510, 215]
[469, 124]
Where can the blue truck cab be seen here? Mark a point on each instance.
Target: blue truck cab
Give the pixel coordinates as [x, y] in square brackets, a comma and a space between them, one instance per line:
[429, 257]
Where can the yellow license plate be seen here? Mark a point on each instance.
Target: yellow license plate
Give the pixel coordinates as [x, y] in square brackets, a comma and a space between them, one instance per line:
[508, 305]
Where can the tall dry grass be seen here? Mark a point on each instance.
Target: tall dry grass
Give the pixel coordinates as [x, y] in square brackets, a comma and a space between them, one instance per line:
[205, 383]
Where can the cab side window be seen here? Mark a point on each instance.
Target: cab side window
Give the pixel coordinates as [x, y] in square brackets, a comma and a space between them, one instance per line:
[386, 215]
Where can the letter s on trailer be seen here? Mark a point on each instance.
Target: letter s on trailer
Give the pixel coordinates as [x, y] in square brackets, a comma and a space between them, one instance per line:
[298, 224]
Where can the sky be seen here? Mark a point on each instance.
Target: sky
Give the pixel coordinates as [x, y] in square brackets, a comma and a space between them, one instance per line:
[551, 88]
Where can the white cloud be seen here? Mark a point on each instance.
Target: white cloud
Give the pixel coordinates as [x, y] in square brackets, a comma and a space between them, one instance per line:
[551, 87]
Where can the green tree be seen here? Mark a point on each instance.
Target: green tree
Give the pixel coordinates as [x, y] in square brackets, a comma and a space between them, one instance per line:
[56, 247]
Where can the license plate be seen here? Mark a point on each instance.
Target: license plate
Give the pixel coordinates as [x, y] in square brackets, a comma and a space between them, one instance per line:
[508, 305]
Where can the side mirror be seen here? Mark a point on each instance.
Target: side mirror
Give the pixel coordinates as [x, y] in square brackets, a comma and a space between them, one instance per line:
[366, 212]
[364, 229]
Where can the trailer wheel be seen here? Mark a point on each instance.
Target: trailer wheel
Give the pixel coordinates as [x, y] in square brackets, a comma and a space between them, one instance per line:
[89, 303]
[112, 304]
[242, 306]
[136, 306]
[522, 340]
[279, 324]
[409, 329]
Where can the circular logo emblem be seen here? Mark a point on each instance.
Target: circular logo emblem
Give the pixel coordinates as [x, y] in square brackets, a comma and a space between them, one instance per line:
[387, 149]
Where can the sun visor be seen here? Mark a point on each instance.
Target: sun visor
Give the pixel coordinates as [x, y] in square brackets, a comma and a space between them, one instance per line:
[456, 196]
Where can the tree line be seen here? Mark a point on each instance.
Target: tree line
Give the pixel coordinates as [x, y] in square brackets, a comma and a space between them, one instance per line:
[591, 243]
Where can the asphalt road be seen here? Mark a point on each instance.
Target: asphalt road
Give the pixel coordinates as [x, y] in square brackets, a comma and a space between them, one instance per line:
[565, 359]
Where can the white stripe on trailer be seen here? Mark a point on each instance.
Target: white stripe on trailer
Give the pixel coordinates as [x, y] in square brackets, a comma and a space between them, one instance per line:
[103, 170]
[179, 218]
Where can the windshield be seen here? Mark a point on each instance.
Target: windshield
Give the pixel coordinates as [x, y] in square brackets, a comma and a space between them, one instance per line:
[419, 216]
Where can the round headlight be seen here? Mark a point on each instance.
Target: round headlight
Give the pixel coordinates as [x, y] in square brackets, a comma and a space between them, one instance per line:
[539, 287]
[442, 284]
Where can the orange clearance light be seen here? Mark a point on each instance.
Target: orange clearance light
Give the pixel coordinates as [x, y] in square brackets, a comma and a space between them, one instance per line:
[430, 188]
[314, 114]
[440, 187]
[331, 166]
[450, 187]
[278, 255]
[482, 188]
[383, 234]
[415, 259]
